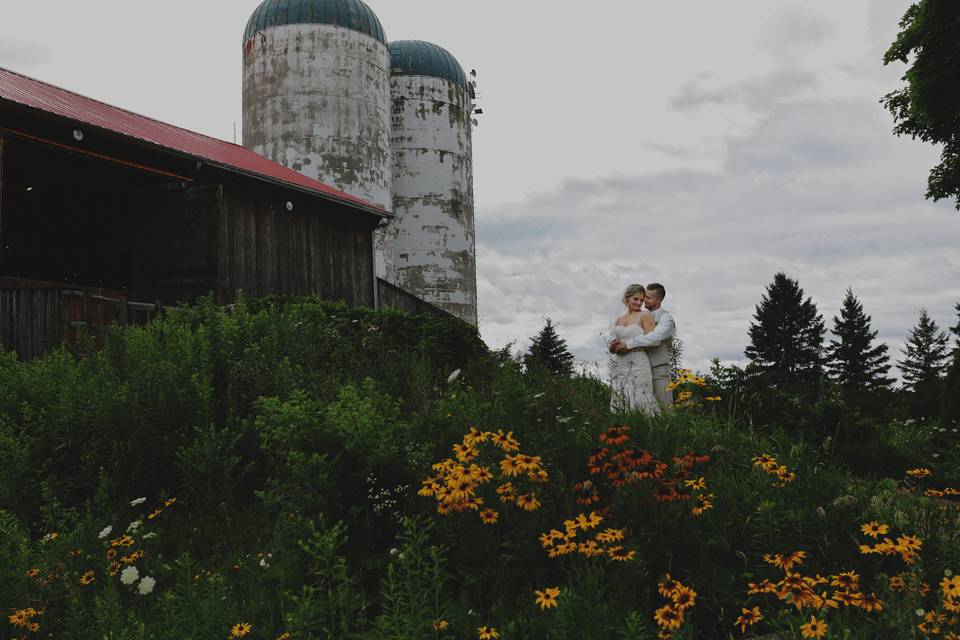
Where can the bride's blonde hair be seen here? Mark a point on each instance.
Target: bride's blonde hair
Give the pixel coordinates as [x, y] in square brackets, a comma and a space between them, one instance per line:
[633, 290]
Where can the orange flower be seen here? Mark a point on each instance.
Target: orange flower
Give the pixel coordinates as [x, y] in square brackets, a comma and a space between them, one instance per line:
[528, 502]
[489, 516]
[814, 629]
[748, 617]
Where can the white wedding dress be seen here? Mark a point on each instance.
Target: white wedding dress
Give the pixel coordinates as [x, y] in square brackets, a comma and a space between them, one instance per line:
[631, 378]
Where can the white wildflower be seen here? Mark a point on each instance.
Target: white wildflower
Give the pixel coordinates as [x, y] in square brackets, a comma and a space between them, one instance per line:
[134, 526]
[147, 536]
[264, 563]
[453, 376]
[134, 503]
[539, 395]
[105, 532]
[129, 575]
[146, 585]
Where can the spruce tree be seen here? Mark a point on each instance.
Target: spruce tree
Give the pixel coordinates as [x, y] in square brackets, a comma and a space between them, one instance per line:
[925, 354]
[786, 339]
[852, 361]
[549, 351]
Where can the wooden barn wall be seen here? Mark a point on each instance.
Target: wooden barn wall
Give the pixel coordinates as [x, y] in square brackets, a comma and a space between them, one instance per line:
[318, 248]
[390, 296]
[31, 319]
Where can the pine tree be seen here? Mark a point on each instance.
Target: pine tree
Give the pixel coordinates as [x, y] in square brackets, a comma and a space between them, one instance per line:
[786, 341]
[549, 351]
[925, 354]
[852, 361]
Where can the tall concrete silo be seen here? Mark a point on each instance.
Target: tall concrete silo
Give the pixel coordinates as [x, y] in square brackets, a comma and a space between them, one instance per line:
[316, 93]
[432, 236]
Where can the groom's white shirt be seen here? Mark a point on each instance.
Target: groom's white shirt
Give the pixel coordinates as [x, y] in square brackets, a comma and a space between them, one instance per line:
[657, 340]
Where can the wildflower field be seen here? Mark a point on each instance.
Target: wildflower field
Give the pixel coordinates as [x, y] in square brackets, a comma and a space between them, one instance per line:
[295, 469]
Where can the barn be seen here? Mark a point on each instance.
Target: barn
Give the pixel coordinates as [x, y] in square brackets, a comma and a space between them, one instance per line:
[106, 215]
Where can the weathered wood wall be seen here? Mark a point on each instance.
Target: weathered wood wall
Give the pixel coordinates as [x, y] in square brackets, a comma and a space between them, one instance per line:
[390, 296]
[318, 248]
[31, 317]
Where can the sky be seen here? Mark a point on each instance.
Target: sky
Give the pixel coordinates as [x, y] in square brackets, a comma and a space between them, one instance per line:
[700, 144]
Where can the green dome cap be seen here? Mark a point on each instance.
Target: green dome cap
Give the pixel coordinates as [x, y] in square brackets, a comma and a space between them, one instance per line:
[349, 14]
[419, 58]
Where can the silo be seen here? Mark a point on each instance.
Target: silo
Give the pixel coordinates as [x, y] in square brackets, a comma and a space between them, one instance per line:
[432, 235]
[316, 93]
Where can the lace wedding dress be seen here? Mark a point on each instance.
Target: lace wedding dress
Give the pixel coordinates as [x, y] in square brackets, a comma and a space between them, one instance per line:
[631, 377]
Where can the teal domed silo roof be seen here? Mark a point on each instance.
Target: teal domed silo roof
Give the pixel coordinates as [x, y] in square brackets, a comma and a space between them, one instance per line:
[419, 58]
[349, 14]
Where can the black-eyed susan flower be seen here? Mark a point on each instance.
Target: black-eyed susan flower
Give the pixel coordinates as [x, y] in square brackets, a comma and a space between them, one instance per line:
[487, 633]
[870, 603]
[747, 618]
[240, 629]
[489, 516]
[528, 502]
[509, 466]
[547, 599]
[950, 586]
[668, 587]
[847, 580]
[684, 597]
[620, 554]
[610, 535]
[440, 625]
[505, 441]
[762, 587]
[897, 583]
[874, 529]
[87, 577]
[668, 617]
[921, 472]
[33, 572]
[814, 628]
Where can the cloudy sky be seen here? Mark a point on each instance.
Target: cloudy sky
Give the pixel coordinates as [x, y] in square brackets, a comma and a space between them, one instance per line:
[705, 145]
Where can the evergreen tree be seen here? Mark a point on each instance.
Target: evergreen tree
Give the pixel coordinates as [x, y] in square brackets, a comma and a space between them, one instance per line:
[951, 399]
[549, 351]
[852, 361]
[925, 354]
[786, 341]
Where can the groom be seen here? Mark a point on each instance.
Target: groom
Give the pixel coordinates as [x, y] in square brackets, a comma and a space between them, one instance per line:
[657, 343]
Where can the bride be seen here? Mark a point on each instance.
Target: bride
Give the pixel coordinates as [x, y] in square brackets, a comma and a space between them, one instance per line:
[631, 377]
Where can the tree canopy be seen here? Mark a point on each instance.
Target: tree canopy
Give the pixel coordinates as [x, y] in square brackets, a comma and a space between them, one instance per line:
[928, 106]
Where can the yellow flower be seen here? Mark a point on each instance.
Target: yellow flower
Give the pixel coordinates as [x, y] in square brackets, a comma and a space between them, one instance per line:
[668, 617]
[618, 554]
[610, 535]
[509, 466]
[547, 598]
[240, 629]
[169, 501]
[489, 516]
[874, 529]
[668, 587]
[814, 629]
[921, 472]
[155, 513]
[487, 633]
[505, 441]
[951, 586]
[87, 577]
[748, 617]
[848, 580]
[33, 573]
[871, 603]
[528, 502]
[284, 636]
[438, 625]
[697, 485]
[897, 583]
[684, 598]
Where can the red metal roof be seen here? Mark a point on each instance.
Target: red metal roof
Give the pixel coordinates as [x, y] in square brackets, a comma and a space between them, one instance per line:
[32, 93]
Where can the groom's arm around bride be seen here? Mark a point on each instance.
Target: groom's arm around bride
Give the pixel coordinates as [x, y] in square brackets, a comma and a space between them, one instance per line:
[657, 343]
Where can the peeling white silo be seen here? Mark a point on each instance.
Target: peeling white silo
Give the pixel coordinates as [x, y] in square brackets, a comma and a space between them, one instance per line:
[316, 93]
[431, 242]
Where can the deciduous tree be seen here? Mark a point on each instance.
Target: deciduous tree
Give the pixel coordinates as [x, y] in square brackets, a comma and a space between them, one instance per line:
[928, 106]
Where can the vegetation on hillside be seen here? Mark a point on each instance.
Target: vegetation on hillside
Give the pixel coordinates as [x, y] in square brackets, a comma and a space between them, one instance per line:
[298, 469]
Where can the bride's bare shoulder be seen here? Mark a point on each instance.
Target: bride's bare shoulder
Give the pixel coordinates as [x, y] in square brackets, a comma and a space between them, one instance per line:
[622, 320]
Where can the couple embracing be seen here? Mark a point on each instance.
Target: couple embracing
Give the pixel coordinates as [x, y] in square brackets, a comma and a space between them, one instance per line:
[640, 342]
